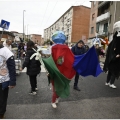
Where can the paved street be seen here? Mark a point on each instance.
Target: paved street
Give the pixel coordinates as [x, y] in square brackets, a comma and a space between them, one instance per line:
[94, 101]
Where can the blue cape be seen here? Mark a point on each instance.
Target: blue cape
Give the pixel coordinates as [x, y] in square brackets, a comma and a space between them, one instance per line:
[87, 64]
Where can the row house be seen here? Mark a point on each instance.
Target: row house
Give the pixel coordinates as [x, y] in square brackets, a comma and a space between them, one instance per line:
[74, 23]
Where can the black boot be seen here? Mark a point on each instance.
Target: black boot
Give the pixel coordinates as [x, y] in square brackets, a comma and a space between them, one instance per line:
[76, 88]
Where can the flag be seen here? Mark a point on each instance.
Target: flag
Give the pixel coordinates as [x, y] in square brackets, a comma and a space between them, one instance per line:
[61, 83]
[64, 59]
[87, 64]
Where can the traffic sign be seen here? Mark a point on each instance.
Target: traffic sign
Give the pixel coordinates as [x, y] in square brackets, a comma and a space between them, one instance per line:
[5, 24]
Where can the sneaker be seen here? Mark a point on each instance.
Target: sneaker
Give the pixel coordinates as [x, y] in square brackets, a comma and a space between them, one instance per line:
[36, 89]
[107, 83]
[54, 105]
[57, 100]
[76, 88]
[112, 86]
[32, 93]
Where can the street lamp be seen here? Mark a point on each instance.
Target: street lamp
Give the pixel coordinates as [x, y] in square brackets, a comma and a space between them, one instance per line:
[23, 24]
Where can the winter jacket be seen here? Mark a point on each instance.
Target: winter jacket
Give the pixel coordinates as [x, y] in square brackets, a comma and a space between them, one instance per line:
[33, 66]
[112, 63]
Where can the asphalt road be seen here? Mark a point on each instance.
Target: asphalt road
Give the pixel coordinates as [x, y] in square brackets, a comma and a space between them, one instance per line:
[94, 101]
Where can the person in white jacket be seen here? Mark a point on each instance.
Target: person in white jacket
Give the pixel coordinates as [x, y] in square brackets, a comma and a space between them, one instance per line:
[7, 76]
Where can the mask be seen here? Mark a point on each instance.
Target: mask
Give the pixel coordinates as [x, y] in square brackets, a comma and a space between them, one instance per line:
[116, 27]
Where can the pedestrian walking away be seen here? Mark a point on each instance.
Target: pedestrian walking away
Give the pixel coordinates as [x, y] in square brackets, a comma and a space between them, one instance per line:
[33, 67]
[7, 76]
[78, 49]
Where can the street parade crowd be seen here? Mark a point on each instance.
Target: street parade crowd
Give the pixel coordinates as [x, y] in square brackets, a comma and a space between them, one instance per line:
[61, 65]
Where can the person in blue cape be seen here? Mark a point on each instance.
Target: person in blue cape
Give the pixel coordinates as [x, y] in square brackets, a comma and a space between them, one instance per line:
[78, 49]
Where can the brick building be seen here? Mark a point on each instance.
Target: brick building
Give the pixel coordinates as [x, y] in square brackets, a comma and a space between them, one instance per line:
[74, 23]
[36, 38]
[93, 17]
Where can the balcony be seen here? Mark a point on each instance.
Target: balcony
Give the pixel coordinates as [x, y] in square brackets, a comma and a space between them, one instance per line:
[101, 33]
[103, 17]
[102, 3]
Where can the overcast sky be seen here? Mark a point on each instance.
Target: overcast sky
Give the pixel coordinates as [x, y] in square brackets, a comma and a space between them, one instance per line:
[40, 14]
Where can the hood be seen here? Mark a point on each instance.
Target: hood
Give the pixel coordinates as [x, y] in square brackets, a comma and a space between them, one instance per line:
[80, 41]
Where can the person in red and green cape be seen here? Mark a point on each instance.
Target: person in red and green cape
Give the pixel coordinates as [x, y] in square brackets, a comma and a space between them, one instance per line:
[60, 67]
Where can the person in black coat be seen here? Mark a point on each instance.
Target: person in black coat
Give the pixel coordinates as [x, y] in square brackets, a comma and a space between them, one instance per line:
[33, 67]
[78, 49]
[112, 61]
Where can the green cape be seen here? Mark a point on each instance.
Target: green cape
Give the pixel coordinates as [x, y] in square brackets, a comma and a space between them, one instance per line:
[61, 83]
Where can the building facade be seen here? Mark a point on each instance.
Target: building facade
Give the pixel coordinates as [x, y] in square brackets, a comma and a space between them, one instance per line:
[106, 13]
[36, 38]
[6, 35]
[114, 17]
[93, 17]
[74, 23]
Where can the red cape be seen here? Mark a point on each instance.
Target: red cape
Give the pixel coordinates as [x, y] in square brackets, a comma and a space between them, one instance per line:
[66, 68]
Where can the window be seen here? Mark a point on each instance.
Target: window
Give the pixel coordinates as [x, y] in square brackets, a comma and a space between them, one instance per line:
[93, 16]
[105, 27]
[97, 27]
[92, 30]
[111, 2]
[67, 37]
[110, 18]
[94, 3]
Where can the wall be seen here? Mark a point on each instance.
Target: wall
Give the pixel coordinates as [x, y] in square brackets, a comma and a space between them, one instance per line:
[80, 23]
[94, 10]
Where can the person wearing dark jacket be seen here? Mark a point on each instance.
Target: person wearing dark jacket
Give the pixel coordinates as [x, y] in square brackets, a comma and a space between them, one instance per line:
[78, 49]
[112, 61]
[33, 67]
[98, 51]
[7, 76]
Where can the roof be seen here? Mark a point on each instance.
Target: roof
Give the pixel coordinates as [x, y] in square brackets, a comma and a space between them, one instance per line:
[7, 32]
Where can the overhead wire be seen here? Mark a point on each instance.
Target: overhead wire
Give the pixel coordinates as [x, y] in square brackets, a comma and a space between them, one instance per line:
[51, 12]
[44, 13]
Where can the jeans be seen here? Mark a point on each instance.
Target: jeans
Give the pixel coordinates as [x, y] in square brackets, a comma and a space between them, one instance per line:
[3, 99]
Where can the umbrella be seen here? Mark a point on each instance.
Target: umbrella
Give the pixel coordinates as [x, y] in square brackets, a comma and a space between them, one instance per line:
[59, 37]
